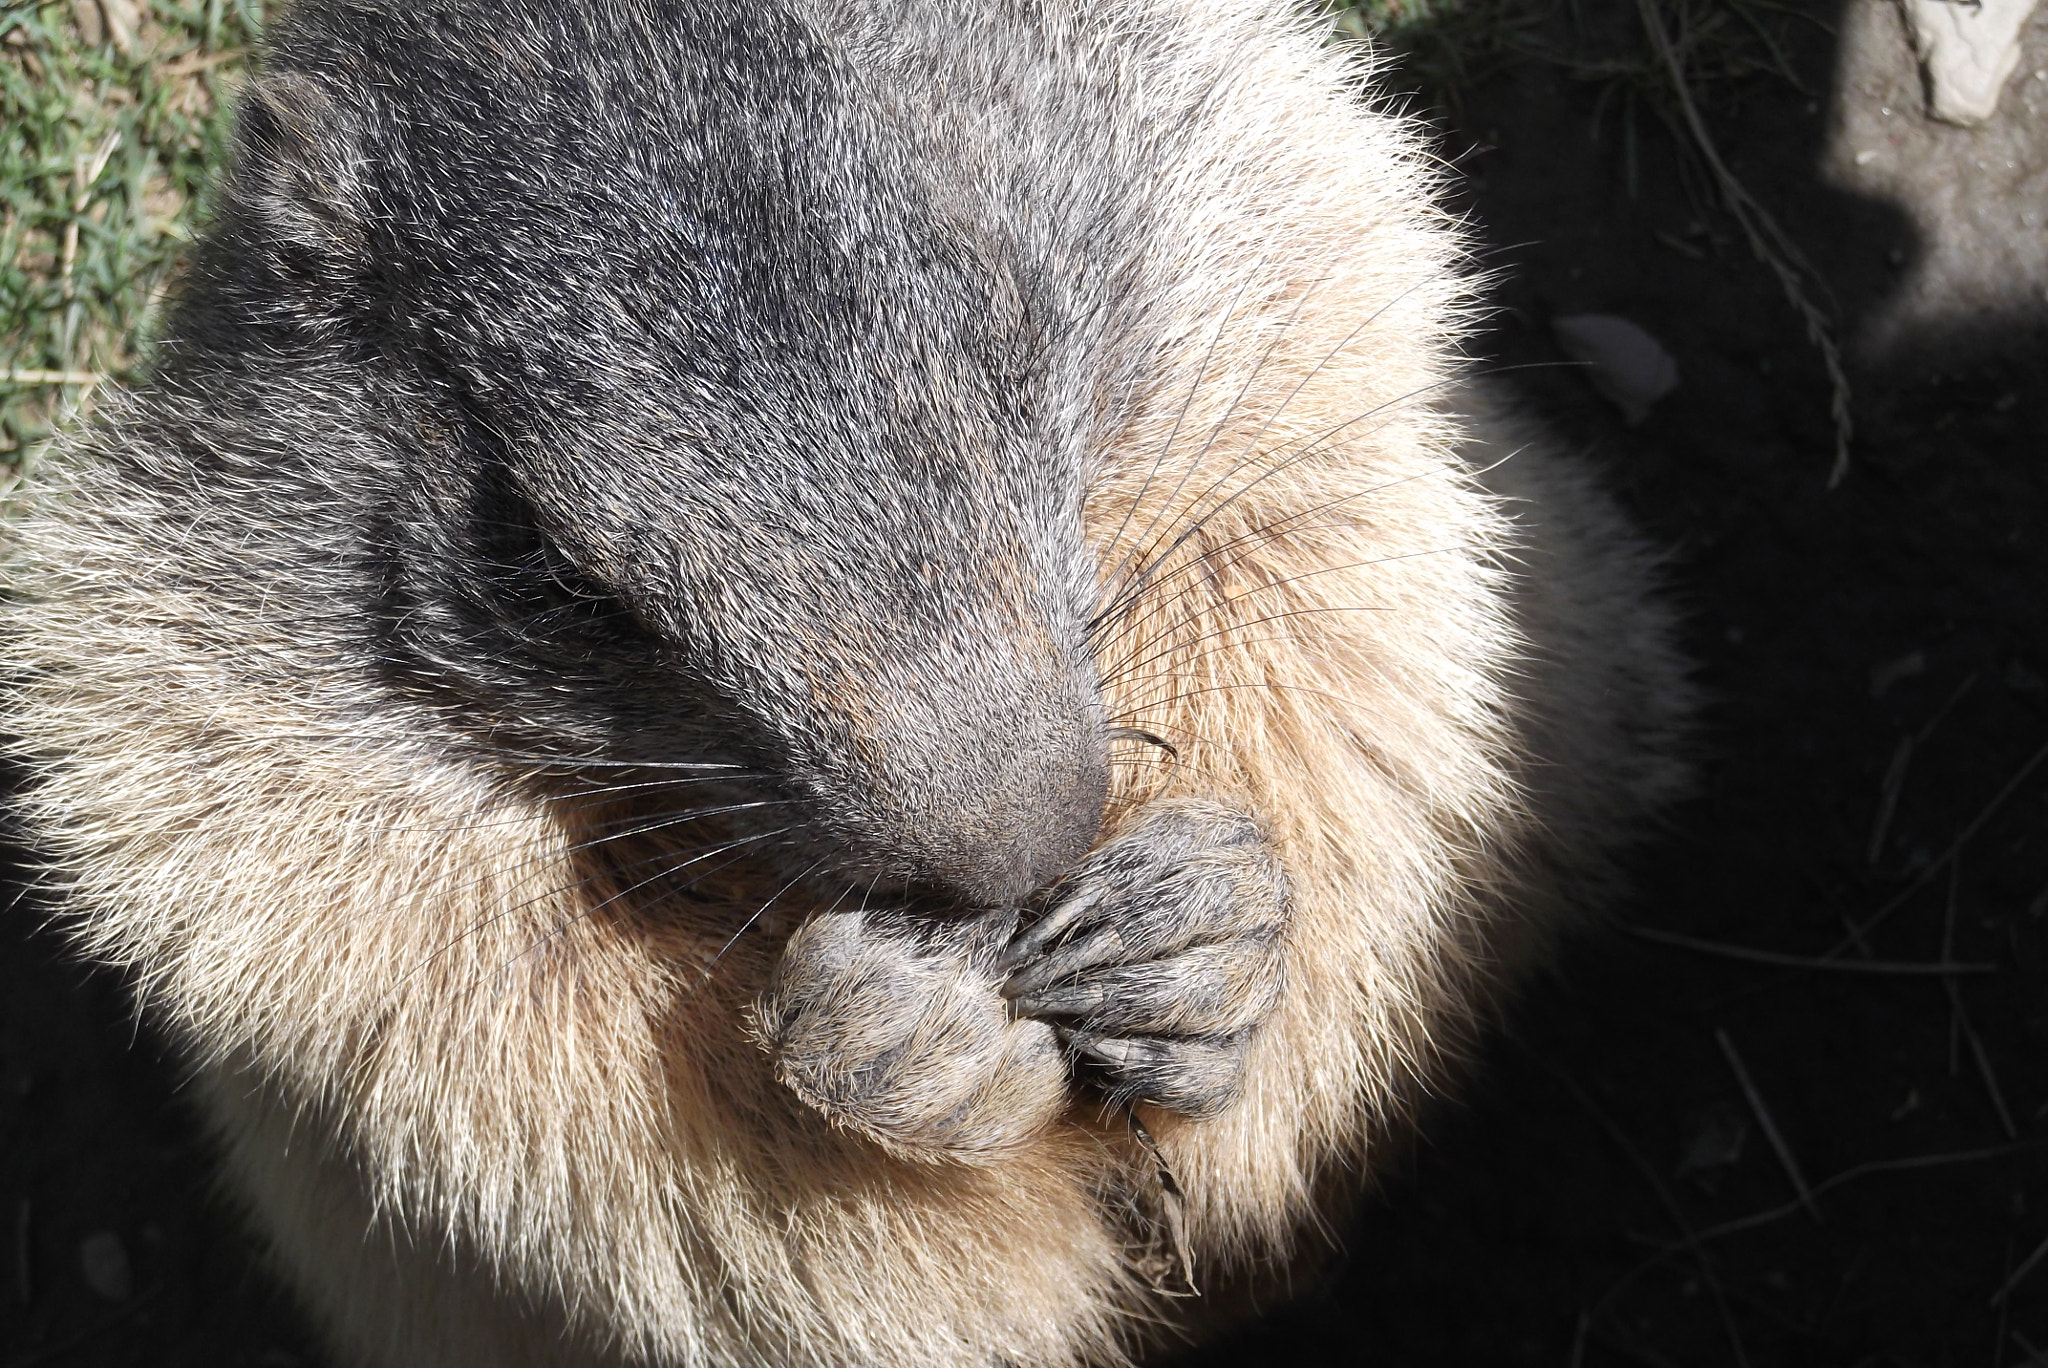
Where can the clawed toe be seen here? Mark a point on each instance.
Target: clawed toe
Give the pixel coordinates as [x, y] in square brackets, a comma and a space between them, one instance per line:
[1160, 957]
[1207, 990]
[1197, 1078]
[1035, 939]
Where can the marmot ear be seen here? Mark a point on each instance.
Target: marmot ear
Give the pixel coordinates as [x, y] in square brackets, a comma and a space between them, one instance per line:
[301, 170]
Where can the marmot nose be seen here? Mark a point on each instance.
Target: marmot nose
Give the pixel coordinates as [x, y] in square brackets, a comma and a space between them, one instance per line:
[1028, 826]
[983, 815]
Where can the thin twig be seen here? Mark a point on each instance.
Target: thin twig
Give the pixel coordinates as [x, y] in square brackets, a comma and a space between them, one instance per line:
[2026, 1266]
[1977, 1052]
[1767, 240]
[1926, 876]
[1918, 1161]
[1959, 1016]
[1744, 952]
[1921, 737]
[1764, 1119]
[1671, 1208]
[1888, 797]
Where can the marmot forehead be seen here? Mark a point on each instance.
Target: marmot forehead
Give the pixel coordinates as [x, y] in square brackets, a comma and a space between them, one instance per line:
[780, 258]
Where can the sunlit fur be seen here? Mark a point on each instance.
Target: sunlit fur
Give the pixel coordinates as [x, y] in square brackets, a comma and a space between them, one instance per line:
[487, 1113]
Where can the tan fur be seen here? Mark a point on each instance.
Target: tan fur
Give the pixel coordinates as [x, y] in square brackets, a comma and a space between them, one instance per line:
[490, 1116]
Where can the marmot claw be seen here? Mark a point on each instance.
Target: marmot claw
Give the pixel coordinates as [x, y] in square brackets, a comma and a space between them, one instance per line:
[1159, 955]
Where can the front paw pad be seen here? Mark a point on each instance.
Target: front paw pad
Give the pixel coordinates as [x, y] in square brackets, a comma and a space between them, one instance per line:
[897, 1031]
[1159, 955]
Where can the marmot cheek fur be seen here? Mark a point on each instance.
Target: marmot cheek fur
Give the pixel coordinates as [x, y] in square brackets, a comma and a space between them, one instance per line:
[822, 681]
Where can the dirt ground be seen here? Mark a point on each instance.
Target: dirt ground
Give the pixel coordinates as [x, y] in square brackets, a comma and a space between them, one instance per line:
[1604, 1189]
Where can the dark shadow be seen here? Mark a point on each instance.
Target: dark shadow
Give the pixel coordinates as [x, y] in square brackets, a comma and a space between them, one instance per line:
[1542, 1220]
[100, 1167]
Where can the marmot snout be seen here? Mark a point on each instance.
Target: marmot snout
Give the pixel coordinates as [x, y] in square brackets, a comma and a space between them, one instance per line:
[818, 683]
[975, 780]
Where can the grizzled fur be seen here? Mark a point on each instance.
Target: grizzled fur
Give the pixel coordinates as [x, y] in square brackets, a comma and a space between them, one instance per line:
[818, 683]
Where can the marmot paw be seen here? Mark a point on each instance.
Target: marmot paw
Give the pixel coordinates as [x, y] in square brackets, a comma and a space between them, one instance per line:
[1159, 955]
[896, 1030]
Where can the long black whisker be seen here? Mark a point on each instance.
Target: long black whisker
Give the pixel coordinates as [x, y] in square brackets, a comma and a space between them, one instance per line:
[1229, 410]
[747, 926]
[564, 926]
[553, 805]
[1267, 533]
[546, 760]
[1314, 447]
[476, 927]
[1259, 536]
[1122, 674]
[1247, 455]
[1310, 574]
[561, 928]
[1124, 598]
[1194, 388]
[543, 762]
[651, 822]
[1172, 698]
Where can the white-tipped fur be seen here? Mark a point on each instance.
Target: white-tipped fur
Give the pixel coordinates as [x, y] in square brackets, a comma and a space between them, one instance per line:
[485, 1121]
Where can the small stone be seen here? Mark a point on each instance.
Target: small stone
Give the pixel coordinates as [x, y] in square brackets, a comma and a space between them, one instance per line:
[1714, 1140]
[1968, 51]
[124, 22]
[85, 16]
[104, 1261]
[1892, 671]
[1627, 365]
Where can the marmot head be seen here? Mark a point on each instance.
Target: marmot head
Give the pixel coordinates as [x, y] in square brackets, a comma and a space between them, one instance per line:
[715, 430]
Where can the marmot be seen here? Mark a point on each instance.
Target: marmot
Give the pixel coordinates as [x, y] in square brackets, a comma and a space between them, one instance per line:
[819, 682]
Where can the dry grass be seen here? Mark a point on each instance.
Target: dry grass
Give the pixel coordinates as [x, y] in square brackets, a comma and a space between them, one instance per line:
[1446, 43]
[112, 116]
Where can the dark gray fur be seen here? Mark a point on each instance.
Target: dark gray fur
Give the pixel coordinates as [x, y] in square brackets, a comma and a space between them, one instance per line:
[638, 383]
[675, 373]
